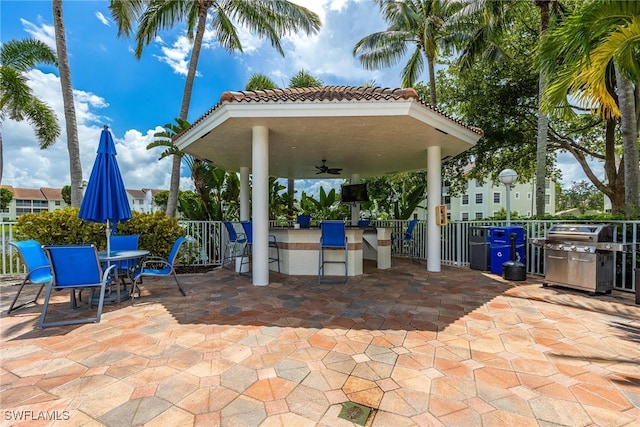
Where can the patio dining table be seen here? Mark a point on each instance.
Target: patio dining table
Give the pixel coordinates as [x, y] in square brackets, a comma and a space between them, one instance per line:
[117, 257]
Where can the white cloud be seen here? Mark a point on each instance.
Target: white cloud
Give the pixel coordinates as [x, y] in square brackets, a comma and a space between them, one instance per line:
[45, 33]
[103, 19]
[176, 55]
[27, 166]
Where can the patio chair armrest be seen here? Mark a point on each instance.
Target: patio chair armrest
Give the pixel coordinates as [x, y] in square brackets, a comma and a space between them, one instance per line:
[155, 261]
[30, 273]
[106, 274]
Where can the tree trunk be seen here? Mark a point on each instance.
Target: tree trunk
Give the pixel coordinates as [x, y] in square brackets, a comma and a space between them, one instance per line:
[174, 188]
[290, 192]
[432, 81]
[541, 153]
[1, 159]
[543, 122]
[73, 145]
[629, 128]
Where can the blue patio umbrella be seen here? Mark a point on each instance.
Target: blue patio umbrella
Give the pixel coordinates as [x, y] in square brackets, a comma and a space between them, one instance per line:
[105, 199]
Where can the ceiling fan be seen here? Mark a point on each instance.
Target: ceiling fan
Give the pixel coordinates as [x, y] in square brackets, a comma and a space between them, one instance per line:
[325, 169]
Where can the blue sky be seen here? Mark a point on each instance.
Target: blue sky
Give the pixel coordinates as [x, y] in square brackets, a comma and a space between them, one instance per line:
[134, 96]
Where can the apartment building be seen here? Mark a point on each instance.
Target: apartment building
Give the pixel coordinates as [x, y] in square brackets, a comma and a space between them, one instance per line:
[36, 200]
[485, 200]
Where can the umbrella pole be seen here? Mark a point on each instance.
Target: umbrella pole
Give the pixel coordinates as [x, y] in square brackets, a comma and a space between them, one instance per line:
[108, 237]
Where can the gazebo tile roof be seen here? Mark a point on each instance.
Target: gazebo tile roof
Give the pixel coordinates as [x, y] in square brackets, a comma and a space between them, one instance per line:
[324, 94]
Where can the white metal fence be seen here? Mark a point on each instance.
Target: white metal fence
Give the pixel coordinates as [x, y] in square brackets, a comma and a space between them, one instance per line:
[209, 239]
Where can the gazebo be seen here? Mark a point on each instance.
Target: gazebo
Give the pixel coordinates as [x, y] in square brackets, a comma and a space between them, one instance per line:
[287, 132]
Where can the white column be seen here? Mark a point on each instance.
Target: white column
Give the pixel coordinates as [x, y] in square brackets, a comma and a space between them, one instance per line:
[355, 209]
[260, 205]
[434, 197]
[245, 207]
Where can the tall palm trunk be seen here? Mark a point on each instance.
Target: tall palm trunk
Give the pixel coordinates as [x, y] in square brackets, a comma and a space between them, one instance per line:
[629, 127]
[1, 158]
[73, 145]
[432, 80]
[172, 202]
[543, 122]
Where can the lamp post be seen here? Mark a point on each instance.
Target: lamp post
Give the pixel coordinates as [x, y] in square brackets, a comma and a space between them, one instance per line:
[508, 177]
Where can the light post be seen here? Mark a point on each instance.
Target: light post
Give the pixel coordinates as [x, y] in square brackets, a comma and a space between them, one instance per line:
[508, 177]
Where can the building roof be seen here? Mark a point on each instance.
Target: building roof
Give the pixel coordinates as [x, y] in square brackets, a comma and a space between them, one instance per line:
[365, 131]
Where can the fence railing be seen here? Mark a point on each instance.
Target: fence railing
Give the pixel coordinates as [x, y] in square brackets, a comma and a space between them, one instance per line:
[208, 239]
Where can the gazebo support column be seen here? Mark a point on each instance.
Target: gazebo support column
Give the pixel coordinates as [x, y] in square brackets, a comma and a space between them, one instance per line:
[434, 196]
[260, 205]
[245, 210]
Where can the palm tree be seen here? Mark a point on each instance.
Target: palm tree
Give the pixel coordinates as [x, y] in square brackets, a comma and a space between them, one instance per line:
[267, 18]
[304, 79]
[259, 81]
[17, 101]
[598, 47]
[73, 144]
[412, 23]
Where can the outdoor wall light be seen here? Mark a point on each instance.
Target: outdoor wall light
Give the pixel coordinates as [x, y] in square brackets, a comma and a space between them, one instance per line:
[508, 177]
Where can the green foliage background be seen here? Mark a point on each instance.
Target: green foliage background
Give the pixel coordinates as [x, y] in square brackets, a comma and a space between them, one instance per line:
[63, 227]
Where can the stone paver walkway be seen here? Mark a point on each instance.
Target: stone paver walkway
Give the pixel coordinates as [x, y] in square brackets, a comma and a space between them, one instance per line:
[460, 347]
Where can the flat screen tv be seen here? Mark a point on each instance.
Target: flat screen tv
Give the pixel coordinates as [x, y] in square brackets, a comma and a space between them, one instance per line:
[354, 193]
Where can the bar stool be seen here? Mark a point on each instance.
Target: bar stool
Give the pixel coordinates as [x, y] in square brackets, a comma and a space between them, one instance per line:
[235, 239]
[246, 250]
[333, 236]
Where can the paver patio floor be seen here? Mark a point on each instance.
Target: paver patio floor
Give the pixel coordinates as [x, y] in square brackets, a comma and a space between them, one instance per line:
[459, 347]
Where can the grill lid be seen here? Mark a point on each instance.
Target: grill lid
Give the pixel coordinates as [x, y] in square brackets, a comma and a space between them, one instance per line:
[591, 233]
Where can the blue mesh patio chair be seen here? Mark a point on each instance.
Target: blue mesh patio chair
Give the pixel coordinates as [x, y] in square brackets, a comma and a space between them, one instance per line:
[155, 266]
[125, 243]
[246, 249]
[407, 242]
[37, 266]
[73, 268]
[304, 221]
[333, 236]
[234, 245]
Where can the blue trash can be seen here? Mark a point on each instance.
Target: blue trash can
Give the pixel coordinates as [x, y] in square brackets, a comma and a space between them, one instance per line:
[500, 246]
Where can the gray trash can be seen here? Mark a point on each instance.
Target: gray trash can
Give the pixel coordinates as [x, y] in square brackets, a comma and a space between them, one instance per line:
[479, 248]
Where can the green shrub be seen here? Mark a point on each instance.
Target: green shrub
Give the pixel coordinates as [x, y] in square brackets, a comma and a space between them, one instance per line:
[63, 227]
[157, 232]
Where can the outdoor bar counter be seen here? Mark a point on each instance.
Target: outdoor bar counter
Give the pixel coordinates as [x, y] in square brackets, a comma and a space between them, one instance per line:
[299, 250]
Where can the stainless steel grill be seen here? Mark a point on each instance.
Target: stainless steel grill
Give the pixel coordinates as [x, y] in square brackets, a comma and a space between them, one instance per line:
[580, 256]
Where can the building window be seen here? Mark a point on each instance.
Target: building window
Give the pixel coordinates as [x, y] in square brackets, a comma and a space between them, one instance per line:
[465, 199]
[547, 183]
[529, 196]
[547, 199]
[528, 213]
[57, 203]
[464, 216]
[479, 215]
[24, 206]
[496, 197]
[478, 198]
